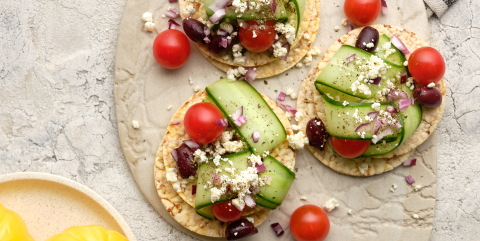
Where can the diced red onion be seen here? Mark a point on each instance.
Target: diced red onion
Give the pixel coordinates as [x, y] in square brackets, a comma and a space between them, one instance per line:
[222, 122]
[174, 155]
[398, 125]
[224, 42]
[173, 1]
[260, 168]
[207, 40]
[176, 121]
[363, 127]
[287, 107]
[403, 95]
[251, 75]
[287, 46]
[273, 5]
[172, 24]
[403, 78]
[248, 5]
[384, 8]
[410, 162]
[255, 190]
[372, 115]
[215, 179]
[221, 32]
[172, 13]
[350, 58]
[281, 96]
[377, 125]
[256, 136]
[268, 180]
[271, 50]
[194, 189]
[399, 44]
[403, 104]
[240, 121]
[219, 4]
[413, 100]
[192, 145]
[227, 27]
[391, 109]
[377, 80]
[241, 77]
[231, 6]
[393, 94]
[206, 30]
[382, 134]
[218, 15]
[249, 201]
[236, 114]
[350, 27]
[410, 179]
[277, 228]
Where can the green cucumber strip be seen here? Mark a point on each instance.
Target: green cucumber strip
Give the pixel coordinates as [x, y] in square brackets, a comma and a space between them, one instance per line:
[282, 179]
[397, 57]
[337, 95]
[205, 170]
[206, 212]
[263, 13]
[229, 96]
[383, 148]
[264, 203]
[340, 76]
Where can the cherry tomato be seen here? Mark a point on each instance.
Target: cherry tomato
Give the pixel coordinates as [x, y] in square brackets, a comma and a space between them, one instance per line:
[264, 39]
[362, 12]
[309, 223]
[349, 148]
[227, 212]
[171, 49]
[426, 65]
[200, 123]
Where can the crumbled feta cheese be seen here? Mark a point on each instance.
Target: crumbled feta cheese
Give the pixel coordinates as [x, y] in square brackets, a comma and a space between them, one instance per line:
[255, 160]
[293, 96]
[336, 28]
[289, 115]
[394, 187]
[415, 216]
[344, 22]
[308, 59]
[200, 156]
[190, 80]
[149, 26]
[239, 203]
[298, 116]
[345, 103]
[376, 106]
[278, 50]
[189, 10]
[171, 175]
[254, 34]
[363, 168]
[298, 140]
[296, 127]
[202, 21]
[431, 85]
[405, 63]
[233, 146]
[215, 194]
[177, 186]
[235, 233]
[349, 211]
[196, 89]
[331, 204]
[169, 107]
[417, 187]
[289, 91]
[370, 45]
[289, 59]
[251, 219]
[314, 51]
[303, 198]
[147, 17]
[306, 36]
[135, 124]
[287, 30]
[226, 136]
[265, 154]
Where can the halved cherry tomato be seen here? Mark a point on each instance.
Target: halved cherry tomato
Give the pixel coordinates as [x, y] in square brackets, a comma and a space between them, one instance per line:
[362, 12]
[349, 148]
[426, 65]
[227, 212]
[309, 223]
[171, 49]
[265, 36]
[200, 123]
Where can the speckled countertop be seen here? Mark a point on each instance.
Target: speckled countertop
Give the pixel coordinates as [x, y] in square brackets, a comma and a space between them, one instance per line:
[57, 110]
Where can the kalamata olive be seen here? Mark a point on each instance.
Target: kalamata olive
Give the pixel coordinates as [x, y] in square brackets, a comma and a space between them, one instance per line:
[195, 30]
[367, 35]
[428, 97]
[239, 229]
[186, 164]
[317, 133]
[215, 48]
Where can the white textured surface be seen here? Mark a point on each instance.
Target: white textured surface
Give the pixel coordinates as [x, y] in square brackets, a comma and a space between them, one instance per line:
[57, 111]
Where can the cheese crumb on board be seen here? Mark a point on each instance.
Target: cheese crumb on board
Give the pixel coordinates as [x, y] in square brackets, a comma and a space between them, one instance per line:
[135, 124]
[303, 198]
[331, 204]
[147, 17]
[149, 26]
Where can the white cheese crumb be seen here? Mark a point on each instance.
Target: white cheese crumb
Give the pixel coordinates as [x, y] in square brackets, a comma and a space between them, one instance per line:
[239, 203]
[417, 187]
[149, 26]
[306, 36]
[303, 198]
[279, 50]
[336, 28]
[287, 30]
[349, 211]
[293, 96]
[147, 17]
[251, 219]
[376, 106]
[254, 34]
[431, 85]
[289, 115]
[415, 216]
[405, 63]
[190, 80]
[169, 107]
[363, 168]
[394, 187]
[196, 89]
[295, 127]
[344, 22]
[135, 124]
[299, 65]
[331, 204]
[315, 51]
[171, 175]
[189, 10]
[235, 233]
[298, 140]
[345, 103]
[289, 91]
[298, 116]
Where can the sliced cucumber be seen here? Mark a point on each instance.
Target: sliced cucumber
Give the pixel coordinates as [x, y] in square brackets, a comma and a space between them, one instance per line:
[295, 11]
[205, 212]
[337, 95]
[264, 203]
[282, 179]
[229, 96]
[397, 57]
[340, 76]
[205, 170]
[263, 13]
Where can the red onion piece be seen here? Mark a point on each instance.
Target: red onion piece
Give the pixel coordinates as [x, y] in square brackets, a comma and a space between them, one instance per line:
[393, 94]
[218, 15]
[260, 168]
[382, 134]
[206, 30]
[287, 46]
[173, 1]
[236, 114]
[287, 107]
[174, 155]
[241, 77]
[219, 4]
[413, 100]
[377, 80]
[255, 190]
[363, 127]
[256, 136]
[377, 125]
[410, 179]
[384, 8]
[350, 27]
[194, 189]
[248, 5]
[224, 42]
[222, 122]
[403, 95]
[172, 13]
[221, 32]
[410, 162]
[240, 121]
[207, 40]
[172, 24]
[398, 125]
[192, 145]
[281, 96]
[399, 44]
[403, 78]
[350, 58]
[372, 115]
[403, 104]
[268, 180]
[277, 228]
[231, 6]
[176, 121]
[251, 75]
[249, 201]
[391, 109]
[215, 179]
[273, 5]
[271, 50]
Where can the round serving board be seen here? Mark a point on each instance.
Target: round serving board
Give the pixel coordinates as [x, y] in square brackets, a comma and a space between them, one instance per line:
[144, 90]
[50, 204]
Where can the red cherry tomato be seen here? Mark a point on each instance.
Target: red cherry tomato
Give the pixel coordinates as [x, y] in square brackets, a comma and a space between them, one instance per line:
[349, 148]
[264, 39]
[200, 123]
[362, 12]
[171, 49]
[426, 65]
[309, 223]
[227, 212]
